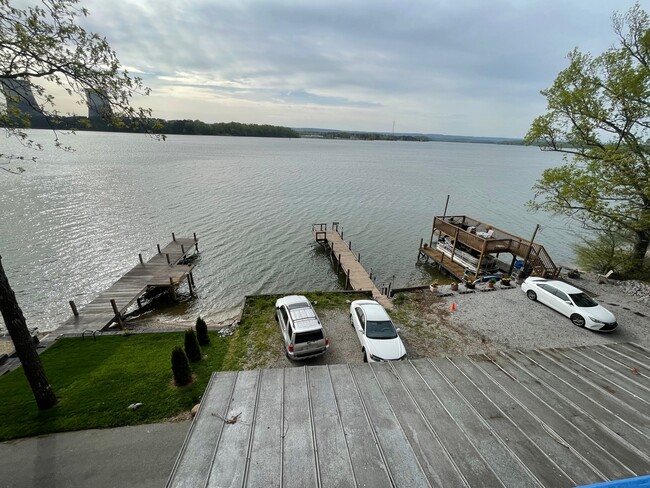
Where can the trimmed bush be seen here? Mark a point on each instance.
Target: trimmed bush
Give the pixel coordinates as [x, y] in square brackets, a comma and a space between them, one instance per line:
[181, 367]
[192, 348]
[202, 332]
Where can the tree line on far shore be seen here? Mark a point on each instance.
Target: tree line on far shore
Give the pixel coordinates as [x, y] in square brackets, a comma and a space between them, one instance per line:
[161, 126]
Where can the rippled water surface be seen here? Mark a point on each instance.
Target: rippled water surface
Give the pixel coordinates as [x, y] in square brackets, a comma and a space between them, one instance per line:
[75, 222]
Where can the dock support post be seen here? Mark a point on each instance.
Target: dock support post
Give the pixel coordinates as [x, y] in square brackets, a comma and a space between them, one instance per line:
[189, 284]
[168, 261]
[192, 279]
[172, 288]
[347, 279]
[350, 245]
[183, 249]
[75, 312]
[195, 240]
[371, 274]
[341, 233]
[173, 237]
[359, 258]
[159, 251]
[140, 256]
[116, 311]
[338, 265]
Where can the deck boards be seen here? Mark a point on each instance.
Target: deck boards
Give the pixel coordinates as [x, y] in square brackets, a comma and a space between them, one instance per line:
[453, 268]
[156, 272]
[359, 278]
[533, 418]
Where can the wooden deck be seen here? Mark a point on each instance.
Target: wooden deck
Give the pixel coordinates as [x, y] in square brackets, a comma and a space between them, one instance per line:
[545, 418]
[357, 277]
[161, 271]
[454, 269]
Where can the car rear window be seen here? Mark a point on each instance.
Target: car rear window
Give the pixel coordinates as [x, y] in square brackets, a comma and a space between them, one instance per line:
[312, 335]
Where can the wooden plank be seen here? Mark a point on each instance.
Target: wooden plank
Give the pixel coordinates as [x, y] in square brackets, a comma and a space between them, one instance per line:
[566, 423]
[432, 456]
[453, 268]
[230, 457]
[621, 363]
[333, 456]
[475, 469]
[367, 464]
[404, 468]
[265, 466]
[192, 467]
[299, 462]
[549, 462]
[504, 464]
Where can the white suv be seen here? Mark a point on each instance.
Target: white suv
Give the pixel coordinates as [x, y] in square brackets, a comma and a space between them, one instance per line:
[303, 334]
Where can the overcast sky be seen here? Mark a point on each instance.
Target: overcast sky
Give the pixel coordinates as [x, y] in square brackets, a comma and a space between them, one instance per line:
[466, 67]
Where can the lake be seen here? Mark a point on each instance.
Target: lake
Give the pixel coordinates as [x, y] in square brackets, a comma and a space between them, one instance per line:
[74, 222]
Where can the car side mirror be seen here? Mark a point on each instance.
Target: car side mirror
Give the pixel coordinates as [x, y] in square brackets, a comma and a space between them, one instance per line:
[398, 329]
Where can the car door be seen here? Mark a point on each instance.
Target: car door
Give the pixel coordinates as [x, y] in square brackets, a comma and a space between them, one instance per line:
[283, 319]
[564, 304]
[547, 296]
[360, 325]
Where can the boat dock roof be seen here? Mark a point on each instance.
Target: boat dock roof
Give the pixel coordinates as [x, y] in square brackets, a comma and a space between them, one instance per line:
[556, 417]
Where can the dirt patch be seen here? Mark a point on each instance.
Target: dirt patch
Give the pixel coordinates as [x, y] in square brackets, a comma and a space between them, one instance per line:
[427, 329]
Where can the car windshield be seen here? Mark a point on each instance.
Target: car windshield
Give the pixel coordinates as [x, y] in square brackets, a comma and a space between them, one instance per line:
[383, 329]
[583, 300]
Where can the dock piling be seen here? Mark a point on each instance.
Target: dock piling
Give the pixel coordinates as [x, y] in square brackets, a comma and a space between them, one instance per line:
[173, 237]
[140, 256]
[159, 252]
[120, 323]
[73, 306]
[168, 260]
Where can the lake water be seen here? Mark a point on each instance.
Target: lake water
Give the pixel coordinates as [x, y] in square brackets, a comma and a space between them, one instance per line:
[75, 222]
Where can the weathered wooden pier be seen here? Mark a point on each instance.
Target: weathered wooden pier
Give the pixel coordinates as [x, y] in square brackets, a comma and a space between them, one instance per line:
[166, 269]
[345, 261]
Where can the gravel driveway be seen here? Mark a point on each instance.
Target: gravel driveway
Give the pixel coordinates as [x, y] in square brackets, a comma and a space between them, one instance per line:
[483, 322]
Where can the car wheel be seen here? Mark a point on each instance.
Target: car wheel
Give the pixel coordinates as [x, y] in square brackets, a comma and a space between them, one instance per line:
[578, 320]
[532, 295]
[365, 357]
[351, 321]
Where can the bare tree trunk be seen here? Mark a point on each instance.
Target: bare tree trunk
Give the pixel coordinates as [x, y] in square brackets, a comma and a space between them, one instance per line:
[24, 344]
[640, 249]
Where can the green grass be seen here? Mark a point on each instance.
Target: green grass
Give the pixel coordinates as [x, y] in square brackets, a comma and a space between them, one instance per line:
[96, 380]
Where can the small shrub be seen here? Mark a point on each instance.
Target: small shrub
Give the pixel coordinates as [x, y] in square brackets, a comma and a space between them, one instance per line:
[202, 332]
[192, 348]
[181, 367]
[399, 299]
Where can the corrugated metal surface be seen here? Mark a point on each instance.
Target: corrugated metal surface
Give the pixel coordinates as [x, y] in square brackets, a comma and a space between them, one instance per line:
[558, 417]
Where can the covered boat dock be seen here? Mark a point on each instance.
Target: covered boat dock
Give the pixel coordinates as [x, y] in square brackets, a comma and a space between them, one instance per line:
[464, 245]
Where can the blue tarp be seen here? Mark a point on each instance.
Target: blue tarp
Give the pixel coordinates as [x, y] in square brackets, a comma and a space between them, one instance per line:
[639, 482]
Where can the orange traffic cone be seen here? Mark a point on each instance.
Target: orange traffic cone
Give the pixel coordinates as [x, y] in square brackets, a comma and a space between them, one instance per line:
[453, 307]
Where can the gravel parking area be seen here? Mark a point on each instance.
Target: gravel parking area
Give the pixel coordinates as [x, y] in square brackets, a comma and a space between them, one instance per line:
[483, 323]
[512, 321]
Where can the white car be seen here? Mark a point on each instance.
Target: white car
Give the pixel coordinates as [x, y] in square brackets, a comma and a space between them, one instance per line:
[378, 336]
[583, 310]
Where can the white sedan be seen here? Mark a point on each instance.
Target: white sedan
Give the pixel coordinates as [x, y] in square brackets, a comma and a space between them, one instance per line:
[378, 336]
[583, 310]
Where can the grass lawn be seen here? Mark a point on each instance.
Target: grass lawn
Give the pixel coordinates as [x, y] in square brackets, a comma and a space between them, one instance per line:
[96, 381]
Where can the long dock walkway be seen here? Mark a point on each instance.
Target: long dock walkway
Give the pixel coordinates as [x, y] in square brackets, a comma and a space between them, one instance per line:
[356, 276]
[161, 271]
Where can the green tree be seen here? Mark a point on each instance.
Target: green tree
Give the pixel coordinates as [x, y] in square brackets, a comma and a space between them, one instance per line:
[38, 46]
[598, 115]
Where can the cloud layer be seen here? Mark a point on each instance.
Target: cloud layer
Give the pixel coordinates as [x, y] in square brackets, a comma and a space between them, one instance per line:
[470, 67]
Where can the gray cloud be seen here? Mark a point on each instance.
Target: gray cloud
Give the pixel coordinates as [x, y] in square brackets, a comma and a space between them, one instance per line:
[438, 65]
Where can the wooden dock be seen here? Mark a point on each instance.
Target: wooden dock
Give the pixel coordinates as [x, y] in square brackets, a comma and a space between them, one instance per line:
[356, 277]
[161, 271]
[445, 262]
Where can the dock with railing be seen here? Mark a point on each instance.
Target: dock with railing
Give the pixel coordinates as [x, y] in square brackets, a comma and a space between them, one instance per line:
[348, 263]
[167, 269]
[485, 239]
